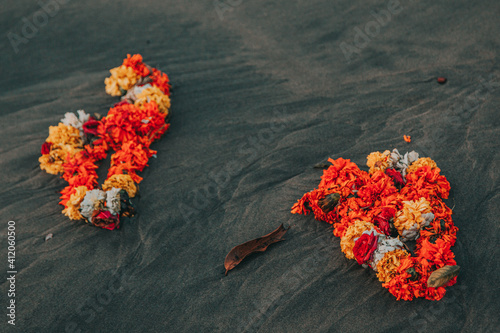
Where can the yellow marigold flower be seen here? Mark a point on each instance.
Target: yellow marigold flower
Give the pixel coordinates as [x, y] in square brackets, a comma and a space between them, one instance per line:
[64, 139]
[123, 182]
[423, 161]
[53, 162]
[156, 95]
[72, 209]
[64, 134]
[49, 165]
[354, 231]
[378, 161]
[386, 267]
[410, 217]
[121, 77]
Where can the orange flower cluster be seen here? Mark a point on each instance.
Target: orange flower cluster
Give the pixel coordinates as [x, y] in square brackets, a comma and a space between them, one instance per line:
[129, 129]
[157, 78]
[376, 205]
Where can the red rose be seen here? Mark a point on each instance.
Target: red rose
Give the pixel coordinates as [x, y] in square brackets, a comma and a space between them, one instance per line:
[90, 127]
[397, 178]
[46, 148]
[364, 247]
[104, 219]
[382, 220]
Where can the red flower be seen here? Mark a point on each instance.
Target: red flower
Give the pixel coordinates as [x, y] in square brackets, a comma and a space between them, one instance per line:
[121, 103]
[397, 178]
[364, 247]
[46, 148]
[382, 220]
[106, 220]
[90, 127]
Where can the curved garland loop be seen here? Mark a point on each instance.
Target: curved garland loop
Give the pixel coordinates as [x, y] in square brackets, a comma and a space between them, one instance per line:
[373, 213]
[78, 142]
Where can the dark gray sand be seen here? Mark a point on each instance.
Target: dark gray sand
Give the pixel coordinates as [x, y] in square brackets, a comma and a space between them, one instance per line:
[263, 90]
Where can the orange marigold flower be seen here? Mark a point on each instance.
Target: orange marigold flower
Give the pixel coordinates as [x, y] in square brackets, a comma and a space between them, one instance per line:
[161, 80]
[341, 172]
[135, 62]
[440, 253]
[131, 158]
[380, 185]
[426, 182]
[377, 161]
[310, 201]
[79, 170]
[129, 123]
[72, 209]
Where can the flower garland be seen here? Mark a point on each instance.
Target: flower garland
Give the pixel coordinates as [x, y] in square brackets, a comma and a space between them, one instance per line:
[373, 213]
[79, 141]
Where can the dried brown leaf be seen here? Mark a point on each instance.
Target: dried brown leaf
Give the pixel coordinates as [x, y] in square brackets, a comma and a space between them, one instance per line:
[238, 253]
[441, 276]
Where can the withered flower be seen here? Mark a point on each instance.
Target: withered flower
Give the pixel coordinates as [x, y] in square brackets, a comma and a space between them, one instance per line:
[328, 203]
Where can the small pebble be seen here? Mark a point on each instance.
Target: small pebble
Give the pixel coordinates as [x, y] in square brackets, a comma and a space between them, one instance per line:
[49, 236]
[441, 80]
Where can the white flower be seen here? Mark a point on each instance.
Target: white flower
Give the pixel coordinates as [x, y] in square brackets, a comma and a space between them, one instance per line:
[394, 158]
[92, 201]
[412, 233]
[385, 244]
[70, 119]
[401, 163]
[412, 156]
[113, 200]
[133, 92]
[428, 218]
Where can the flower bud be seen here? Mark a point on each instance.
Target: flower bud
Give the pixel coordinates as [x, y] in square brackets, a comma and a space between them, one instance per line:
[126, 207]
[413, 274]
[328, 203]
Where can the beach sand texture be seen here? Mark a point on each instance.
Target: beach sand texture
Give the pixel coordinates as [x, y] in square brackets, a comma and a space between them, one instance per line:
[262, 91]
